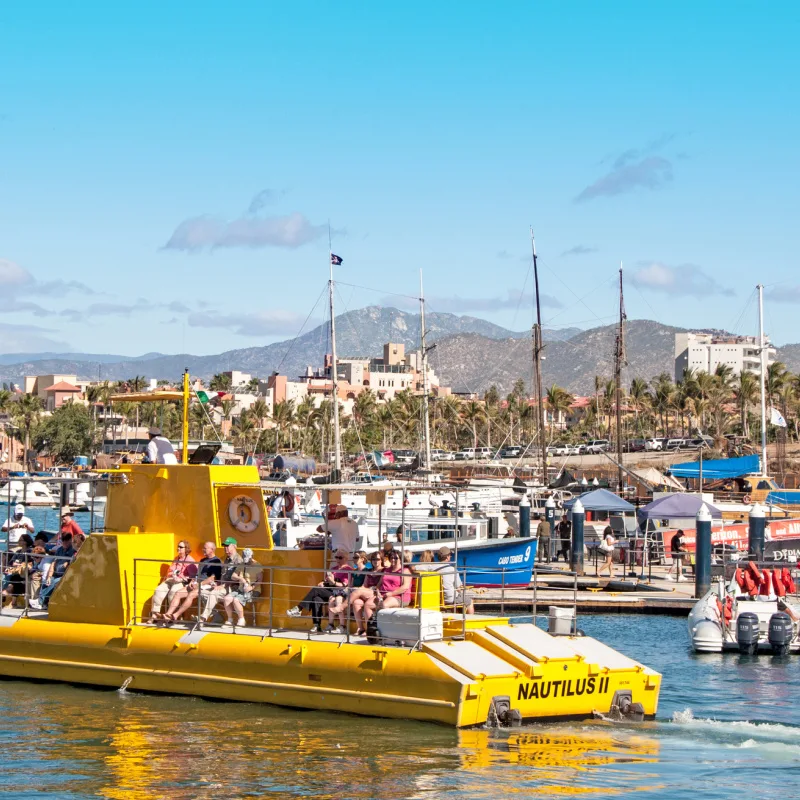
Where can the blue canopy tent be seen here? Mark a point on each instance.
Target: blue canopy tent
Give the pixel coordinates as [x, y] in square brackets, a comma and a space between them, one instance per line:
[677, 506]
[601, 500]
[717, 469]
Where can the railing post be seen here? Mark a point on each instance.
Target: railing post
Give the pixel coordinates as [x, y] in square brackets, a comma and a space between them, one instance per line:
[756, 533]
[576, 556]
[702, 570]
[503, 590]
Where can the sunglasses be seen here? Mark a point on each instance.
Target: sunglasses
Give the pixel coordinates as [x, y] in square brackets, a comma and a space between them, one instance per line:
[181, 547]
[340, 558]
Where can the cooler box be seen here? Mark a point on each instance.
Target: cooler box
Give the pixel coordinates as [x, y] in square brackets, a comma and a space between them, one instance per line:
[410, 624]
[560, 621]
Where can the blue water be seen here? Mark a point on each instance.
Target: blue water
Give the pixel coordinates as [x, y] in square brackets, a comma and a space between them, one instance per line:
[726, 727]
[48, 518]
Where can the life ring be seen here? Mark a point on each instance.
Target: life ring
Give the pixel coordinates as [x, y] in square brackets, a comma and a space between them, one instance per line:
[244, 513]
[746, 499]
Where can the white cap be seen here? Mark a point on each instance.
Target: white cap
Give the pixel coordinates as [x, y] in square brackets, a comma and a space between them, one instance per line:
[703, 514]
[524, 501]
[757, 511]
[595, 482]
[584, 482]
[291, 481]
[577, 507]
[550, 503]
[20, 509]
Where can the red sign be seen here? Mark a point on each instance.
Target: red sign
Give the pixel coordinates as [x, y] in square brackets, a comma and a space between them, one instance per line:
[777, 529]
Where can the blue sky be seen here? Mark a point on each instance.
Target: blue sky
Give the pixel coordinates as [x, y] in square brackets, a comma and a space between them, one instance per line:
[168, 170]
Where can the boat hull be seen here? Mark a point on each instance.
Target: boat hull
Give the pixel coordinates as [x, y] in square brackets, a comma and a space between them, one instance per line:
[444, 682]
[497, 563]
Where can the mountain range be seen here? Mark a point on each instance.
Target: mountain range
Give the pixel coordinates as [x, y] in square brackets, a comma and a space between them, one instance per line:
[471, 354]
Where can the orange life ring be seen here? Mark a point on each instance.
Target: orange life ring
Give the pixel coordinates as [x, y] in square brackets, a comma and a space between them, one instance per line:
[746, 499]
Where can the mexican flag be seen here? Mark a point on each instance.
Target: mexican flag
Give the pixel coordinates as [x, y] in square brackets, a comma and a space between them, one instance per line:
[207, 397]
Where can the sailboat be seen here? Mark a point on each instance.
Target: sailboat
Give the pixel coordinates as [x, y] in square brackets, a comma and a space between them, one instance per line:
[471, 521]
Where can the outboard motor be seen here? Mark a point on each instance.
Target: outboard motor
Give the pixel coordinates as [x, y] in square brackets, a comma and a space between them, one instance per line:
[780, 633]
[747, 633]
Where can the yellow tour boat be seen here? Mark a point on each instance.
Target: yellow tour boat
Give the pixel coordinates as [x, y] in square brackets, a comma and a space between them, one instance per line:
[479, 670]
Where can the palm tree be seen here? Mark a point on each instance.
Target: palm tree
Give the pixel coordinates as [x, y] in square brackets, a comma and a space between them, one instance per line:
[26, 413]
[260, 412]
[243, 429]
[220, 383]
[364, 408]
[746, 393]
[662, 399]
[724, 372]
[472, 413]
[776, 377]
[282, 415]
[639, 397]
[559, 400]
[197, 420]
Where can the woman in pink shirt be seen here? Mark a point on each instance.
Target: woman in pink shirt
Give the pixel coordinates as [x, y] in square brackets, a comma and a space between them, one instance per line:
[181, 571]
[395, 588]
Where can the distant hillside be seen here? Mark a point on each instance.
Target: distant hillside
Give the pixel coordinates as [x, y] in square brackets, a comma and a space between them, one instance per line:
[789, 354]
[359, 333]
[470, 362]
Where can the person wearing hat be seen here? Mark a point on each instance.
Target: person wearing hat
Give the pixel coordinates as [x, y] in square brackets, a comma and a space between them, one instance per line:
[342, 530]
[68, 524]
[18, 524]
[245, 581]
[160, 449]
[217, 590]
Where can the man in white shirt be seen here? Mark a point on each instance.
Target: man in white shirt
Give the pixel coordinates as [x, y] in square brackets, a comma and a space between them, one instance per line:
[160, 449]
[342, 530]
[18, 524]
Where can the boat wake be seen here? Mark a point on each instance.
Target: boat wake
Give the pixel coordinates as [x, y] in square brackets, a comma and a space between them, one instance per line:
[772, 740]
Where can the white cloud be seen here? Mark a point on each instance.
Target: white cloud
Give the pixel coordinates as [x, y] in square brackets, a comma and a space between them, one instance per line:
[13, 276]
[261, 323]
[461, 305]
[579, 250]
[783, 294]
[680, 280]
[209, 233]
[652, 172]
[29, 339]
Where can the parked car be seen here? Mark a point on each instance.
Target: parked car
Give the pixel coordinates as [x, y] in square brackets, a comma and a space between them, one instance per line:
[675, 444]
[484, 452]
[634, 446]
[510, 452]
[596, 446]
[653, 443]
[404, 456]
[465, 454]
[442, 455]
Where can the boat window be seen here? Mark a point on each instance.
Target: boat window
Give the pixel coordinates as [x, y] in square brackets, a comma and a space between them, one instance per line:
[764, 485]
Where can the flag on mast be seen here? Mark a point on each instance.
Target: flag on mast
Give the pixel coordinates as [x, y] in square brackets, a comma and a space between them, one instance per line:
[207, 397]
[336, 260]
[776, 418]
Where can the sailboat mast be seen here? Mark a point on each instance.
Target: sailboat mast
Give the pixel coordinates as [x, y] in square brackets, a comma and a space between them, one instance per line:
[619, 360]
[763, 378]
[538, 346]
[426, 425]
[337, 445]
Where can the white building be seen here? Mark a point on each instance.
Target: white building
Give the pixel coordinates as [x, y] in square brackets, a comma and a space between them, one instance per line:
[704, 352]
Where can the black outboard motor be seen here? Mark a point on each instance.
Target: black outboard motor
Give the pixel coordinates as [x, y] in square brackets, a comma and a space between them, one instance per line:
[747, 633]
[780, 633]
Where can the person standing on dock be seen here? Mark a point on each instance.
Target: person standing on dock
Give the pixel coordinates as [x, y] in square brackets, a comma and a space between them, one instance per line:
[564, 531]
[678, 551]
[606, 547]
[160, 449]
[543, 535]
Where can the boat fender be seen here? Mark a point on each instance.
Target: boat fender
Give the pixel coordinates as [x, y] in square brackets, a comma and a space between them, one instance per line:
[765, 589]
[788, 581]
[777, 583]
[747, 633]
[780, 633]
[243, 513]
[754, 572]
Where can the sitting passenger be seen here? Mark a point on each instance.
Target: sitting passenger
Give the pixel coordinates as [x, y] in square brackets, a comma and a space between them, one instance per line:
[320, 594]
[452, 588]
[208, 573]
[426, 557]
[360, 594]
[180, 573]
[395, 588]
[337, 605]
[17, 568]
[214, 592]
[244, 583]
[55, 571]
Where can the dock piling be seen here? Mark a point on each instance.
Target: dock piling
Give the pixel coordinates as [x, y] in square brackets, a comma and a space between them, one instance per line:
[756, 533]
[576, 555]
[702, 571]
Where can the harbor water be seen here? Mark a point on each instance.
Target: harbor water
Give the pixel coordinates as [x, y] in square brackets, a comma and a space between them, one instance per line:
[726, 726]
